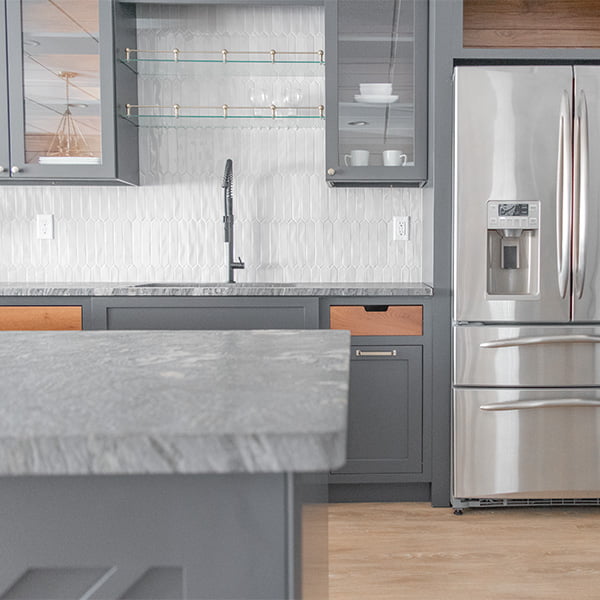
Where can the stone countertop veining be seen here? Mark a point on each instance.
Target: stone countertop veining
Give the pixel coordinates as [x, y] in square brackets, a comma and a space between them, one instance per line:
[145, 402]
[216, 289]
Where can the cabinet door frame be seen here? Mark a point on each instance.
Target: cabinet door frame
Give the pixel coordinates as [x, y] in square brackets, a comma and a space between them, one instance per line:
[413, 462]
[411, 176]
[423, 341]
[14, 46]
[101, 307]
[4, 114]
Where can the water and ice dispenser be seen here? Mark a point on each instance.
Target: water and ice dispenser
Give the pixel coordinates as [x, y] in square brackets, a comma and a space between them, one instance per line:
[513, 247]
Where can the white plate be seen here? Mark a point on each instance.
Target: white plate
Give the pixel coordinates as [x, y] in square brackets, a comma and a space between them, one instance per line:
[371, 99]
[69, 160]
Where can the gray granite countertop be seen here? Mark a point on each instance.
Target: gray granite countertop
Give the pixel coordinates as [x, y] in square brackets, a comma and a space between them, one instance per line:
[215, 289]
[125, 402]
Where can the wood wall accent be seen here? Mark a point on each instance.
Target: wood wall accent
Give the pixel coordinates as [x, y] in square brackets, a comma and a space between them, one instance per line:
[40, 318]
[531, 24]
[394, 320]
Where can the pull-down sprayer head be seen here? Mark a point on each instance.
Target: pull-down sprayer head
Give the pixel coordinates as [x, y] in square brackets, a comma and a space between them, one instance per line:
[227, 185]
[228, 174]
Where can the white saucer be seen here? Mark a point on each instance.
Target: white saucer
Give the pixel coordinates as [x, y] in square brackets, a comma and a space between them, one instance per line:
[375, 99]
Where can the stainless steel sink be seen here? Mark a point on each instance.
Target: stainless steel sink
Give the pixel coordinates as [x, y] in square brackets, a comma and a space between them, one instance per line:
[214, 284]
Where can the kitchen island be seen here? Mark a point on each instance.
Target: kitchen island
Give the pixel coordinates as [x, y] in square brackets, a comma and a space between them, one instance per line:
[158, 464]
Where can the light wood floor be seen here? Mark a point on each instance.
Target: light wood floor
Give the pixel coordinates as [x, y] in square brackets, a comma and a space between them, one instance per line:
[411, 551]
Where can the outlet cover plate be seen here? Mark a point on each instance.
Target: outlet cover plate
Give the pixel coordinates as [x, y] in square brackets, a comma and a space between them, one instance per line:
[401, 228]
[45, 227]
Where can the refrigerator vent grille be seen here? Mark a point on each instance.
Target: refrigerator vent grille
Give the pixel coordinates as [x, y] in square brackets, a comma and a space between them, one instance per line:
[494, 502]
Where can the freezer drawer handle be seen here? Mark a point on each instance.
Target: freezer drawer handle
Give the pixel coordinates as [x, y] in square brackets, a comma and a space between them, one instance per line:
[376, 353]
[550, 403]
[538, 340]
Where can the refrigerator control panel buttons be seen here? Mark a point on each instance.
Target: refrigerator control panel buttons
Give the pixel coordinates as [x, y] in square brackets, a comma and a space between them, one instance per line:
[513, 215]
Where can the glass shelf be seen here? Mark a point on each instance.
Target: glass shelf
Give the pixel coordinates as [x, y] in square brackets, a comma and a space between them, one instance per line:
[219, 62]
[147, 62]
[190, 121]
[293, 102]
[184, 68]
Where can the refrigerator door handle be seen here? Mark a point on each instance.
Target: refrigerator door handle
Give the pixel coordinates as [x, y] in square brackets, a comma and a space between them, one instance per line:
[541, 403]
[580, 193]
[563, 194]
[538, 340]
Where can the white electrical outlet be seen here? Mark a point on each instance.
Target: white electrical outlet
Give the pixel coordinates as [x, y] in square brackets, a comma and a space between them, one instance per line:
[45, 227]
[401, 228]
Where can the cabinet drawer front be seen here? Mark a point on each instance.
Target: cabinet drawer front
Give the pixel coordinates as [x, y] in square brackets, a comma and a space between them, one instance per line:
[385, 320]
[543, 443]
[546, 355]
[20, 318]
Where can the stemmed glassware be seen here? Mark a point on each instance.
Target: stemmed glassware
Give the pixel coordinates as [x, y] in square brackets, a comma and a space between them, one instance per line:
[258, 97]
[285, 97]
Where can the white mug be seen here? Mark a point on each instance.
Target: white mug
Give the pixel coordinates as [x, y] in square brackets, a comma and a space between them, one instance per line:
[394, 158]
[357, 158]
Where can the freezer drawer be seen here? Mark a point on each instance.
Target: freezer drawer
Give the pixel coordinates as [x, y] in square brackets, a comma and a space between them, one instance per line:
[559, 356]
[535, 443]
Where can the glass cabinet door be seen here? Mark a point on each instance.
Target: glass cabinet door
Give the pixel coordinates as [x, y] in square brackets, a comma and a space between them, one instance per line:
[57, 103]
[4, 151]
[376, 91]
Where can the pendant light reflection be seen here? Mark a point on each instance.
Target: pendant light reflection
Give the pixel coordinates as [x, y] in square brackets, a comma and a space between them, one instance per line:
[68, 139]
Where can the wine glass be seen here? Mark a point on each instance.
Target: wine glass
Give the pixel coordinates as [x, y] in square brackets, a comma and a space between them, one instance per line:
[258, 97]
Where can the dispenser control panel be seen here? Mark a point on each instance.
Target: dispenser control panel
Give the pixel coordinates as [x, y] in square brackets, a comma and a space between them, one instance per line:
[513, 215]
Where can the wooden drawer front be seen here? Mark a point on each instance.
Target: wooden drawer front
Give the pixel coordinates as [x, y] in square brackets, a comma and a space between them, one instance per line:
[20, 318]
[384, 320]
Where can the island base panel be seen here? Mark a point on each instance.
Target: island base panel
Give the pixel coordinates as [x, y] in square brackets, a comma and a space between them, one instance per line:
[176, 537]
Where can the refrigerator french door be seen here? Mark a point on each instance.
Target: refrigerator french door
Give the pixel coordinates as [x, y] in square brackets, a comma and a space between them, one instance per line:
[526, 379]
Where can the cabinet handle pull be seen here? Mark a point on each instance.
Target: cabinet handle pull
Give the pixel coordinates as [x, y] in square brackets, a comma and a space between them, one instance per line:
[2, 169]
[15, 169]
[330, 171]
[376, 353]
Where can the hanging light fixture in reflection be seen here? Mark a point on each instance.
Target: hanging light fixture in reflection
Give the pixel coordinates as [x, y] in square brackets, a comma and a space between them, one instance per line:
[68, 139]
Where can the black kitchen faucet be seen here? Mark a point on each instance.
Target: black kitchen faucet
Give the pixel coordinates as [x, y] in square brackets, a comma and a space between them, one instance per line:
[228, 219]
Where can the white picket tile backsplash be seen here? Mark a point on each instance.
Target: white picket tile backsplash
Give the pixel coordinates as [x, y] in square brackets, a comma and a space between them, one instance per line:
[290, 226]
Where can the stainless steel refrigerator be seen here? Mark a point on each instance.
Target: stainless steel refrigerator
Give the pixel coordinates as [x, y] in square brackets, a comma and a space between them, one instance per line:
[526, 372]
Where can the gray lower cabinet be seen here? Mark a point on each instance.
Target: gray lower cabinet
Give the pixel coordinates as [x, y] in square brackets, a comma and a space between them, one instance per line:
[385, 418]
[205, 313]
[390, 381]
[62, 88]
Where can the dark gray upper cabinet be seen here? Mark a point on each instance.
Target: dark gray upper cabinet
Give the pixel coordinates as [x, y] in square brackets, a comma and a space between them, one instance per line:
[63, 89]
[258, 2]
[4, 151]
[376, 41]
